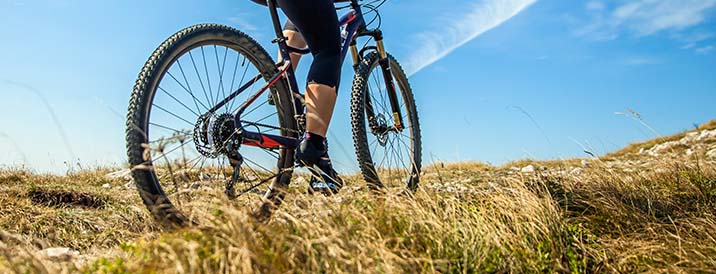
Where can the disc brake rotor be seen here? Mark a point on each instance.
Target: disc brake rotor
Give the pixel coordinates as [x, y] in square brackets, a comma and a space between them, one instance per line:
[382, 133]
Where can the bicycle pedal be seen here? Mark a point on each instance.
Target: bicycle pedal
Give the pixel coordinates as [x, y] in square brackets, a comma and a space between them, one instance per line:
[301, 120]
[279, 40]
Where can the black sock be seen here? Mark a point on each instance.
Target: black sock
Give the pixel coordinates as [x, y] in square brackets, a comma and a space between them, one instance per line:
[318, 141]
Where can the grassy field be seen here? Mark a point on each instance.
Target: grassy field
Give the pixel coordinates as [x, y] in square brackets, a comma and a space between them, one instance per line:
[647, 208]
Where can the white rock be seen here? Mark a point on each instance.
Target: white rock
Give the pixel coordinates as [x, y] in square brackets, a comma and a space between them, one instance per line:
[576, 171]
[711, 154]
[59, 253]
[106, 186]
[706, 134]
[661, 147]
[586, 163]
[528, 169]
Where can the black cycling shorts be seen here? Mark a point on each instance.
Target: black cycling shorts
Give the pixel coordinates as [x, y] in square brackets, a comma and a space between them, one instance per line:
[317, 22]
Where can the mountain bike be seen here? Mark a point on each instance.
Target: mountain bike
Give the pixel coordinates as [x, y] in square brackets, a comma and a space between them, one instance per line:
[213, 116]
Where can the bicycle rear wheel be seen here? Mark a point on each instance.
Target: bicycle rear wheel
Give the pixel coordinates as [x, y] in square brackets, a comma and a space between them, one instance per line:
[176, 145]
[387, 156]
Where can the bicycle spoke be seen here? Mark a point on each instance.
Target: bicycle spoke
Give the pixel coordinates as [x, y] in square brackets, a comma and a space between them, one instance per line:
[254, 109]
[400, 161]
[177, 100]
[375, 145]
[383, 160]
[233, 79]
[269, 116]
[389, 169]
[382, 102]
[166, 128]
[241, 82]
[203, 88]
[195, 162]
[380, 91]
[379, 104]
[208, 79]
[271, 153]
[183, 134]
[188, 87]
[399, 153]
[221, 72]
[173, 114]
[197, 102]
[409, 147]
[165, 154]
[249, 160]
[406, 136]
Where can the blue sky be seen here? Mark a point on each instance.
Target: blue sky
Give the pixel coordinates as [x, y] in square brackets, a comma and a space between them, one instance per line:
[495, 80]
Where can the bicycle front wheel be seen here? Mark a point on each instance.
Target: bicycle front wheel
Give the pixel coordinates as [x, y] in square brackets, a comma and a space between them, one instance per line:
[178, 131]
[388, 156]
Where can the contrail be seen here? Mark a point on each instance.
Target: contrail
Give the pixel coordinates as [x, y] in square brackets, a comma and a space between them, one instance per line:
[481, 17]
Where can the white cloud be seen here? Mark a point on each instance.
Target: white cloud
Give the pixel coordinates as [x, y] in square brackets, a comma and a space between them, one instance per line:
[677, 18]
[706, 50]
[461, 29]
[646, 17]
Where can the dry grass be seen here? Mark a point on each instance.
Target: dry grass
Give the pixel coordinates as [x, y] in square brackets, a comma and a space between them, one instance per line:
[603, 215]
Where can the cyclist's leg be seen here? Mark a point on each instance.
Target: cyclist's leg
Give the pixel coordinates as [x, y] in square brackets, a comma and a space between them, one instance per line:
[318, 23]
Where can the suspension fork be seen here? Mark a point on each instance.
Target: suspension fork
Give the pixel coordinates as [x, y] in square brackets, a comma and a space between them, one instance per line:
[384, 63]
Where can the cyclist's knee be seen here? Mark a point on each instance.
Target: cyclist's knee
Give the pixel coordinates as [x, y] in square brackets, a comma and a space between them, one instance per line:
[326, 68]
